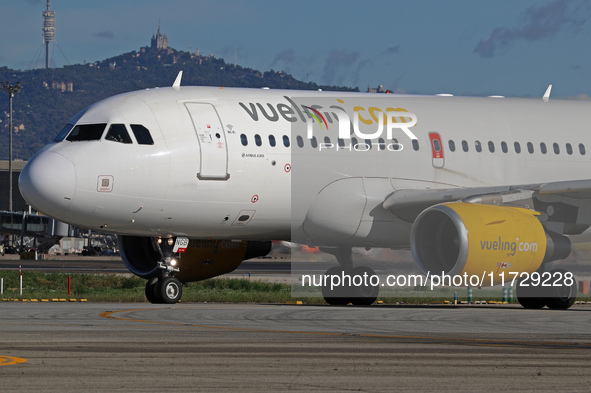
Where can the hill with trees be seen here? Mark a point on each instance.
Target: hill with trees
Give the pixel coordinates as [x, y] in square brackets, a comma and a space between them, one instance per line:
[50, 97]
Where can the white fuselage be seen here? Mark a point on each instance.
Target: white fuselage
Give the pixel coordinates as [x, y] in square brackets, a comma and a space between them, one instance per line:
[199, 179]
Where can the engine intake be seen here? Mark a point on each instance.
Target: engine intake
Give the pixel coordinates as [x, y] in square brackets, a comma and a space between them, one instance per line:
[140, 255]
[457, 238]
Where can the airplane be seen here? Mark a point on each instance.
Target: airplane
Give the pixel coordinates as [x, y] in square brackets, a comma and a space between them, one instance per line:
[194, 180]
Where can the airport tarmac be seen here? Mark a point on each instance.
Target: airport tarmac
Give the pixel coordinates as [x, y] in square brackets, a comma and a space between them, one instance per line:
[263, 348]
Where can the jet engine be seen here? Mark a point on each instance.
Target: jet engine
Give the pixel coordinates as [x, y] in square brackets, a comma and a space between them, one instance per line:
[202, 259]
[465, 238]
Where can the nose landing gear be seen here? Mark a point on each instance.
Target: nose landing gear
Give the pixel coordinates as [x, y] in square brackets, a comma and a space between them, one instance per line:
[167, 289]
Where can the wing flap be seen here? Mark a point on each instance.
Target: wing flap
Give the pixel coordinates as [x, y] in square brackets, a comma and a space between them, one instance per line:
[580, 189]
[409, 203]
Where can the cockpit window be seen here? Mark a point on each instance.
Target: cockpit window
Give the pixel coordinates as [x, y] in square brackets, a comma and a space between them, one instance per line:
[64, 132]
[142, 134]
[86, 132]
[118, 133]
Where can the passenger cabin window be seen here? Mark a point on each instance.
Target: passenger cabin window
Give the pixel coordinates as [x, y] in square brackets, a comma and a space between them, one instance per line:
[517, 147]
[243, 139]
[582, 149]
[478, 146]
[272, 141]
[530, 147]
[314, 142]
[543, 148]
[436, 145]
[285, 141]
[382, 144]
[300, 141]
[327, 140]
[118, 133]
[341, 143]
[142, 134]
[86, 132]
[415, 144]
[257, 140]
[556, 148]
[491, 146]
[452, 145]
[504, 147]
[569, 148]
[64, 132]
[465, 146]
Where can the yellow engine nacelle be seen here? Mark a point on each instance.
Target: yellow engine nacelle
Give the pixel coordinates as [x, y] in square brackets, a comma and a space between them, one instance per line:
[465, 238]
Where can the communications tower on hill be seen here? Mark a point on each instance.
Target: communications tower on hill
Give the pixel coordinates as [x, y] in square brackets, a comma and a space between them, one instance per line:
[48, 31]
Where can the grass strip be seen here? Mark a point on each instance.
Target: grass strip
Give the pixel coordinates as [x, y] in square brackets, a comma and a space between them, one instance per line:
[123, 288]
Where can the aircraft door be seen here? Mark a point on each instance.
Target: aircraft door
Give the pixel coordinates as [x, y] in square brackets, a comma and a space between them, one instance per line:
[437, 150]
[212, 141]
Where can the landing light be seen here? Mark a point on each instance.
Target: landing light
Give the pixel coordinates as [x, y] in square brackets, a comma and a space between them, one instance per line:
[172, 262]
[170, 242]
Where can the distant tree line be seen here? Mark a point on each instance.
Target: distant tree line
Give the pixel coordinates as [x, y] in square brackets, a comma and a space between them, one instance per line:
[42, 108]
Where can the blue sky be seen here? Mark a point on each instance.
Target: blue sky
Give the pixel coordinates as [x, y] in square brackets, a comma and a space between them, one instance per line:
[462, 47]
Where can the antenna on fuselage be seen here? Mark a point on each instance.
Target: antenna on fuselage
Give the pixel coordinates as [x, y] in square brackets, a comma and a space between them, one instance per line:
[177, 81]
[546, 96]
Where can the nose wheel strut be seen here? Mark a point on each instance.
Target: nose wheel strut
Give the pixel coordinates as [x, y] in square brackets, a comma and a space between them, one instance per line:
[166, 289]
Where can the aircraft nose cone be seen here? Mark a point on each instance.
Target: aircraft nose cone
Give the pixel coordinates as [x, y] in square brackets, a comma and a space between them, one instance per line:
[48, 182]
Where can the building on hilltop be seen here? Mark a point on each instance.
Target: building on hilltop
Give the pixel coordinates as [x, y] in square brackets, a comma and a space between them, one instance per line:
[159, 41]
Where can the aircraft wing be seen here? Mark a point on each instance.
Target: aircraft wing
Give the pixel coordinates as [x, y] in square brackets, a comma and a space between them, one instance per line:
[565, 205]
[573, 189]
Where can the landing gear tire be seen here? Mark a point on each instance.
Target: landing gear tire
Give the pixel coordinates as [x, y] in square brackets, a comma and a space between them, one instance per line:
[561, 296]
[359, 295]
[557, 295]
[336, 296]
[152, 293]
[170, 290]
[529, 296]
[533, 303]
[366, 293]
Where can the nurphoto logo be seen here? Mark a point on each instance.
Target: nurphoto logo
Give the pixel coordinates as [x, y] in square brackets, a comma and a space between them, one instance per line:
[388, 120]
